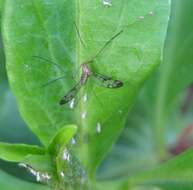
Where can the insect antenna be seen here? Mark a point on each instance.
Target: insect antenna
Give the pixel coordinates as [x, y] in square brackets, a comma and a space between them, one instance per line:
[59, 66]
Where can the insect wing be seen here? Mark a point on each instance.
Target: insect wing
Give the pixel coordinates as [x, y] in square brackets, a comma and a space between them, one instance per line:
[107, 82]
[70, 94]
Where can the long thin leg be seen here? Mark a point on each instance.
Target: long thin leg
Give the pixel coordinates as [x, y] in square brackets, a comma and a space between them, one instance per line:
[116, 35]
[106, 44]
[79, 36]
[99, 102]
[81, 41]
[47, 60]
[52, 81]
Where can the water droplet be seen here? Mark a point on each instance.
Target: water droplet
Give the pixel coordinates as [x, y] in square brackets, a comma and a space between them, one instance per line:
[107, 3]
[141, 17]
[62, 174]
[73, 141]
[84, 115]
[66, 155]
[85, 98]
[151, 12]
[26, 67]
[98, 128]
[72, 103]
[120, 111]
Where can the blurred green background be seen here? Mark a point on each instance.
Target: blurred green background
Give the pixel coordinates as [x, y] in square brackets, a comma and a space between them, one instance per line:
[12, 127]
[165, 100]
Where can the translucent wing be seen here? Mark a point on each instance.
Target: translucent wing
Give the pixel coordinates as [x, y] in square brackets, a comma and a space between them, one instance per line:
[107, 82]
[70, 94]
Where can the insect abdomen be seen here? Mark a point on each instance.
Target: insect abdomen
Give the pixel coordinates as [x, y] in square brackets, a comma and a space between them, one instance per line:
[114, 84]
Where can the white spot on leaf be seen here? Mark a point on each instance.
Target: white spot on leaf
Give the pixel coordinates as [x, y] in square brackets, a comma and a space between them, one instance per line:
[72, 103]
[120, 111]
[107, 3]
[62, 174]
[98, 128]
[151, 13]
[83, 116]
[73, 141]
[40, 176]
[85, 98]
[141, 17]
[66, 155]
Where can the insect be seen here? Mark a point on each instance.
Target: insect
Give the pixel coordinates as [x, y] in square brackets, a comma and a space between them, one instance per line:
[86, 72]
[103, 80]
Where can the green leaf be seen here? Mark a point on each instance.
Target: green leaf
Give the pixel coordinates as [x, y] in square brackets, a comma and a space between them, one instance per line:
[161, 95]
[175, 73]
[2, 63]
[1, 7]
[173, 174]
[178, 55]
[126, 61]
[9, 182]
[8, 109]
[137, 143]
[30, 94]
[62, 138]
[69, 170]
[159, 105]
[17, 152]
[46, 28]
[41, 163]
[113, 185]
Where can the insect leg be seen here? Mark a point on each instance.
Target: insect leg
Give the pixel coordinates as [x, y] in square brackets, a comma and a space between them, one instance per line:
[52, 81]
[79, 36]
[106, 44]
[47, 60]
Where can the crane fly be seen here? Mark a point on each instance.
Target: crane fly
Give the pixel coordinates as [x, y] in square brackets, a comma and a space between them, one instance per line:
[102, 80]
[86, 72]
[105, 81]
